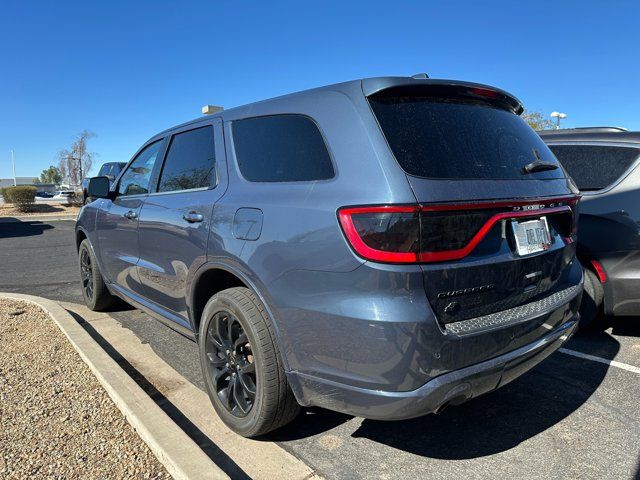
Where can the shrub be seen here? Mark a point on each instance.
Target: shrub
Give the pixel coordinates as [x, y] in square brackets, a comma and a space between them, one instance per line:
[22, 197]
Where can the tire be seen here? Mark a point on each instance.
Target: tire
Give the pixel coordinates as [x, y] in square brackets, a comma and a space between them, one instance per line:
[592, 299]
[97, 297]
[251, 362]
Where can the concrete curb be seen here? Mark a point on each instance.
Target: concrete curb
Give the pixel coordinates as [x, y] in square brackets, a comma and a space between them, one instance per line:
[37, 218]
[180, 455]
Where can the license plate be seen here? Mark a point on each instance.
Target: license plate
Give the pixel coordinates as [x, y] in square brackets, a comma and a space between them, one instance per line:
[531, 236]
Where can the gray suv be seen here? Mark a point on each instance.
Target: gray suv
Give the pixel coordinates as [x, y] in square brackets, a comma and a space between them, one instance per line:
[382, 247]
[604, 163]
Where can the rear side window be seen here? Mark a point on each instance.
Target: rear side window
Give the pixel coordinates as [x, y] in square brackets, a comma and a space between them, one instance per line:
[281, 148]
[190, 161]
[594, 167]
[436, 137]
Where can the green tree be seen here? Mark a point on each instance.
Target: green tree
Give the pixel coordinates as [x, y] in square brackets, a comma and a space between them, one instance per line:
[537, 120]
[51, 175]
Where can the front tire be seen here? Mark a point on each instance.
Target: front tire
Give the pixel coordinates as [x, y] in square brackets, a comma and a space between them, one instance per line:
[94, 291]
[241, 364]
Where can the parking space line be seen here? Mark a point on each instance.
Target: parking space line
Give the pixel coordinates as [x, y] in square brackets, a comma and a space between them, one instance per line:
[593, 358]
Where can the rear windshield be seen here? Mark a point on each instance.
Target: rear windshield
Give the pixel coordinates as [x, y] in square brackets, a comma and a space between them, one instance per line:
[438, 137]
[594, 167]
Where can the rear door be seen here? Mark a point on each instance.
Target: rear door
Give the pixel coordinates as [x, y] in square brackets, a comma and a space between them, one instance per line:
[465, 153]
[117, 220]
[175, 219]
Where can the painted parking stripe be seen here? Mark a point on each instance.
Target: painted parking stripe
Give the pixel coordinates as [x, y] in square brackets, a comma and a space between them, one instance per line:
[593, 358]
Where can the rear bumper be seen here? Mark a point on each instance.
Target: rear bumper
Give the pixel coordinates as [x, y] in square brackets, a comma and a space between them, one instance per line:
[452, 388]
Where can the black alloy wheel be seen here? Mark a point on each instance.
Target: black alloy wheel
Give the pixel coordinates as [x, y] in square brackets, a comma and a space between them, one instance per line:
[231, 364]
[86, 273]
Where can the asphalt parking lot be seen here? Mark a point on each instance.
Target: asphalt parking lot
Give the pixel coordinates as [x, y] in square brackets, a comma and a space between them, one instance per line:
[570, 417]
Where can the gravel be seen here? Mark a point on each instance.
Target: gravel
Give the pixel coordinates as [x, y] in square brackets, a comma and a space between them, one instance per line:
[56, 421]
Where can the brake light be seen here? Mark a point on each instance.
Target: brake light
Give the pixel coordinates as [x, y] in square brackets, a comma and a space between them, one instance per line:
[485, 92]
[383, 234]
[437, 233]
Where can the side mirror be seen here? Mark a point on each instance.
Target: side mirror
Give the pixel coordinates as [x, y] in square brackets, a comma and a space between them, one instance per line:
[98, 187]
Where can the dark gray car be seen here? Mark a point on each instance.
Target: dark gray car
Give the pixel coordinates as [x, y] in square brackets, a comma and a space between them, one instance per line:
[382, 247]
[110, 170]
[604, 162]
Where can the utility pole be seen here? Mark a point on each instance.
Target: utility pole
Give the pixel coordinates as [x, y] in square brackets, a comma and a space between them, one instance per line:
[13, 164]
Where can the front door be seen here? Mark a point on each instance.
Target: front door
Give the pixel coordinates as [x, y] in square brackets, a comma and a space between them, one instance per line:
[175, 221]
[117, 220]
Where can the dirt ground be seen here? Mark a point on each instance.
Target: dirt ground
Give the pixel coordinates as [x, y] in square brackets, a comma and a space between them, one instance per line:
[40, 209]
[56, 421]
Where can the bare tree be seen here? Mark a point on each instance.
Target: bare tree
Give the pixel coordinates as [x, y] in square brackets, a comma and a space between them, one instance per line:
[74, 163]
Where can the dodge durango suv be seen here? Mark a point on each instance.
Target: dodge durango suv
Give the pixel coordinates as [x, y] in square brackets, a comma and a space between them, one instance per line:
[383, 247]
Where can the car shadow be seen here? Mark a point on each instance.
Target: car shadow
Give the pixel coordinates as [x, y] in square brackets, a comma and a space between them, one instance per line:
[626, 327]
[11, 227]
[487, 425]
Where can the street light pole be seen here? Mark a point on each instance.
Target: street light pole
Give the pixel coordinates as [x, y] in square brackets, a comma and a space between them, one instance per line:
[558, 116]
[13, 165]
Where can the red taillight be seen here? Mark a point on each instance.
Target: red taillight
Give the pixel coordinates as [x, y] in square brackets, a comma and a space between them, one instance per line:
[383, 234]
[437, 233]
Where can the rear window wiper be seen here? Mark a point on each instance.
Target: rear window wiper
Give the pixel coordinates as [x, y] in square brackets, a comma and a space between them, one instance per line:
[538, 165]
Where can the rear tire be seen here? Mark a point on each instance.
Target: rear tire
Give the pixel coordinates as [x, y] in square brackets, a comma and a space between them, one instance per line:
[592, 299]
[94, 291]
[240, 361]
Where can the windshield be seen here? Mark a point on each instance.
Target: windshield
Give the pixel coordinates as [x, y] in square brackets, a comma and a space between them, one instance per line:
[437, 137]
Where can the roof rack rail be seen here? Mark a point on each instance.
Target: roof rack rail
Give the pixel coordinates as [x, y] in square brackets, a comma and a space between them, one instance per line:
[603, 129]
[586, 130]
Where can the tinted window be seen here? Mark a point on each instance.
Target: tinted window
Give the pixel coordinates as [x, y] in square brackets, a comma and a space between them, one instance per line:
[594, 167]
[281, 148]
[190, 161]
[446, 138]
[135, 181]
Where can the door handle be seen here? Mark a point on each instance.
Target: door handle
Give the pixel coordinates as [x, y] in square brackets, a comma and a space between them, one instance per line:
[131, 215]
[193, 217]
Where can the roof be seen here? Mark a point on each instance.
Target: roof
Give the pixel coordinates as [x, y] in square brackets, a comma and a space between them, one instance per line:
[590, 134]
[368, 86]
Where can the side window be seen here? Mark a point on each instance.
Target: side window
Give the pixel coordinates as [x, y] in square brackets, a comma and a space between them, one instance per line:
[136, 179]
[281, 148]
[190, 161]
[594, 167]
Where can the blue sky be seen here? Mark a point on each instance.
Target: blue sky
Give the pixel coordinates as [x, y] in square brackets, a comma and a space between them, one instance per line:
[126, 70]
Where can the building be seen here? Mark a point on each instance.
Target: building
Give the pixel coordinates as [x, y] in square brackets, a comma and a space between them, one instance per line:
[30, 181]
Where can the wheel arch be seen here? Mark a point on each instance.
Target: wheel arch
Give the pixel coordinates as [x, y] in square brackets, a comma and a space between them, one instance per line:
[80, 236]
[214, 277]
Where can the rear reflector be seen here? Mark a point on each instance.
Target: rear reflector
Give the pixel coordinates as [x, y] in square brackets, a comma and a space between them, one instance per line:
[437, 233]
[597, 266]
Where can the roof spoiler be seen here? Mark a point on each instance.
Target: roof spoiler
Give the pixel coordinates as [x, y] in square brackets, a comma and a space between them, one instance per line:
[372, 86]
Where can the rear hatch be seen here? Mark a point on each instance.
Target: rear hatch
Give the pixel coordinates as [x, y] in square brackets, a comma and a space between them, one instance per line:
[495, 213]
